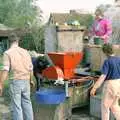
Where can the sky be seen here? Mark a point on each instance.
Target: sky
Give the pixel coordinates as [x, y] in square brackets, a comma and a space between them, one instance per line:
[49, 6]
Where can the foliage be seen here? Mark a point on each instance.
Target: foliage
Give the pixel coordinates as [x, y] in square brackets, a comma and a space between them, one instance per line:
[5, 7]
[17, 13]
[24, 15]
[84, 19]
[34, 40]
[38, 37]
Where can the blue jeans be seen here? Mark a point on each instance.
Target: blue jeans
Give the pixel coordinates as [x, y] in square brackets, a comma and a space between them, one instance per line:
[20, 100]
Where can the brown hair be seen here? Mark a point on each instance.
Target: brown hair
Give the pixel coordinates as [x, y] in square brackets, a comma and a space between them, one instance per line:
[13, 37]
[99, 11]
[107, 49]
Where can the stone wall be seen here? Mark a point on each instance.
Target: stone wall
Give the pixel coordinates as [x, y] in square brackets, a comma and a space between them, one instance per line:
[50, 39]
[63, 38]
[70, 41]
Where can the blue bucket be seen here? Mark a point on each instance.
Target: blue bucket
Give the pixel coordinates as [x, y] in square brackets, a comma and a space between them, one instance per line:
[50, 96]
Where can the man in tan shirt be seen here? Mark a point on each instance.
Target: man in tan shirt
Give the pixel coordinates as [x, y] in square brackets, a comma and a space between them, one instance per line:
[17, 61]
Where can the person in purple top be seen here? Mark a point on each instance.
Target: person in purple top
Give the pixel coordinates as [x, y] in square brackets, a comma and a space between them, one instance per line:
[102, 27]
[111, 89]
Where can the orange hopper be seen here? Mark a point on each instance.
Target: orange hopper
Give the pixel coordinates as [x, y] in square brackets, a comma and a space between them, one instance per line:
[64, 65]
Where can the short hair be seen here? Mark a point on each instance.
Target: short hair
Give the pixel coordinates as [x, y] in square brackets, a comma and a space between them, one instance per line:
[13, 37]
[98, 10]
[107, 49]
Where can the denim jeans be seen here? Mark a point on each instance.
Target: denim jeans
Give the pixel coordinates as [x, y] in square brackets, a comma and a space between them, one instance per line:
[20, 100]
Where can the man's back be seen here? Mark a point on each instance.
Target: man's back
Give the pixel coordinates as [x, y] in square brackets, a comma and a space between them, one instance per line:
[17, 61]
[20, 62]
[111, 68]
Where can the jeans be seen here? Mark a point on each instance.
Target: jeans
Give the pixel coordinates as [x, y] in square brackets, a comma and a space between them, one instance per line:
[20, 100]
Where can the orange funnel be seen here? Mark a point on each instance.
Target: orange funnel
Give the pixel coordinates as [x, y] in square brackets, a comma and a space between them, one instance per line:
[67, 61]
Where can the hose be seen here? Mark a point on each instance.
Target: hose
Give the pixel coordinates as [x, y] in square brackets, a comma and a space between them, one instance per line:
[88, 87]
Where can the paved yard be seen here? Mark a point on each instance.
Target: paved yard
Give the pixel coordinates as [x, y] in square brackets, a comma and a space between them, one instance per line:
[82, 114]
[4, 110]
[78, 113]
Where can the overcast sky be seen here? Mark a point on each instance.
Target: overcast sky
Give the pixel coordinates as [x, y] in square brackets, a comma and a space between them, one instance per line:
[49, 6]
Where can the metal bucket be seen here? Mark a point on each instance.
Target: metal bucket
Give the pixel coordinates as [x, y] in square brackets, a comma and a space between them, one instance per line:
[79, 95]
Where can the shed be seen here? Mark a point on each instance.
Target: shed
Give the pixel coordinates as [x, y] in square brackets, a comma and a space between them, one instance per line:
[61, 35]
[64, 38]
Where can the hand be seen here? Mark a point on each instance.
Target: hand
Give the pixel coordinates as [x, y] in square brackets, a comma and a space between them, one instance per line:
[1, 89]
[32, 83]
[104, 37]
[93, 92]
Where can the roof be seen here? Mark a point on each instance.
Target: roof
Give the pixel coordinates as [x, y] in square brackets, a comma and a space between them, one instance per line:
[61, 18]
[61, 28]
[3, 27]
[5, 31]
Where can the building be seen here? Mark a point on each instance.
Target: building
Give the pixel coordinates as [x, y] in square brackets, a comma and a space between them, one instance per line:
[64, 32]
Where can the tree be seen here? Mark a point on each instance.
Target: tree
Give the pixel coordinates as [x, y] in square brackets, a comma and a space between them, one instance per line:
[5, 7]
[34, 40]
[17, 13]
[23, 14]
[84, 19]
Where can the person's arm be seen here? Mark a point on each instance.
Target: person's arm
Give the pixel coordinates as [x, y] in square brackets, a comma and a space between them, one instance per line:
[97, 84]
[3, 77]
[31, 75]
[31, 79]
[108, 27]
[104, 70]
[4, 71]
[32, 62]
